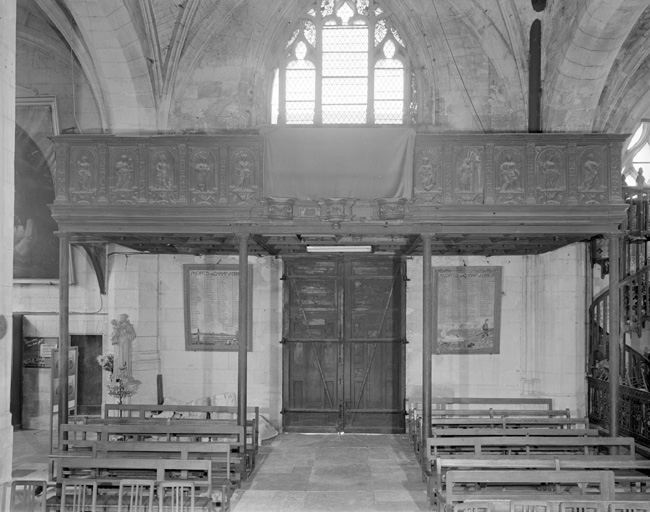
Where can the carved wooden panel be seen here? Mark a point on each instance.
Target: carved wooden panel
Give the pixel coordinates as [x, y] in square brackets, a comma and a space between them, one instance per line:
[244, 174]
[203, 176]
[468, 179]
[510, 165]
[428, 177]
[83, 175]
[163, 176]
[122, 175]
[551, 175]
[592, 175]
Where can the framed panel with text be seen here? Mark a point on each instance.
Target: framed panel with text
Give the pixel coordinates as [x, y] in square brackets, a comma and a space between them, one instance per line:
[211, 296]
[467, 310]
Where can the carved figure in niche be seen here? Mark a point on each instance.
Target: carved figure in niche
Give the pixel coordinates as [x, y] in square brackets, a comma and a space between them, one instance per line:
[163, 177]
[83, 173]
[590, 172]
[427, 174]
[122, 338]
[123, 173]
[509, 174]
[551, 172]
[466, 175]
[202, 168]
[245, 173]
[640, 179]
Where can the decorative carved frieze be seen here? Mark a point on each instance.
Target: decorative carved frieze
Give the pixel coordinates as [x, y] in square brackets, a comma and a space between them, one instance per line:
[428, 176]
[280, 208]
[391, 209]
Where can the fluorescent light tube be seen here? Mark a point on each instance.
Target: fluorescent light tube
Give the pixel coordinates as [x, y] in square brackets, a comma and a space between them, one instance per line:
[339, 248]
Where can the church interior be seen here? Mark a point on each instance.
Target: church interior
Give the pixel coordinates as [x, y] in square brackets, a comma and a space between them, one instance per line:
[359, 254]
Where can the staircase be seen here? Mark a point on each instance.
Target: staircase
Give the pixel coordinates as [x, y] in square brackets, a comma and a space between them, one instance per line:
[634, 369]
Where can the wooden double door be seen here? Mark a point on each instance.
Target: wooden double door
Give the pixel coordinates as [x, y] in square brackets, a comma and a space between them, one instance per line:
[343, 344]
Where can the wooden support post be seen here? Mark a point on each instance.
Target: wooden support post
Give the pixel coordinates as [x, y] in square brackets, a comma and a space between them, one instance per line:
[535, 79]
[64, 328]
[614, 332]
[427, 340]
[242, 365]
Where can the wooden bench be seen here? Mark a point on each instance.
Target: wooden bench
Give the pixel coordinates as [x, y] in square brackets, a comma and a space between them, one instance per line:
[218, 453]
[629, 473]
[109, 471]
[193, 413]
[181, 432]
[507, 422]
[542, 485]
[527, 446]
[525, 431]
[479, 403]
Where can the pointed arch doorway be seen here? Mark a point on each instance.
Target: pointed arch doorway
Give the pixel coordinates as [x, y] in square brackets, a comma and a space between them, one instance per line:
[343, 344]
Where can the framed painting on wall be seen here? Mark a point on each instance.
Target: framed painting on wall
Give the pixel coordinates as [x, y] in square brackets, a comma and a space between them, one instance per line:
[36, 247]
[211, 297]
[467, 310]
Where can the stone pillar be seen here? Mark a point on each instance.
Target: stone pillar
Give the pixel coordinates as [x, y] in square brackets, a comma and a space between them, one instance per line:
[7, 138]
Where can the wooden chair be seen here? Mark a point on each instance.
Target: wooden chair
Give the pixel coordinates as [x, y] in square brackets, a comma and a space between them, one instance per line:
[629, 506]
[529, 506]
[474, 506]
[176, 497]
[582, 506]
[136, 495]
[78, 495]
[28, 495]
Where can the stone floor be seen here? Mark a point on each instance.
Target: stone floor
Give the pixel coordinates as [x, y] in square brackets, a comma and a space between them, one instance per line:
[300, 472]
[337, 473]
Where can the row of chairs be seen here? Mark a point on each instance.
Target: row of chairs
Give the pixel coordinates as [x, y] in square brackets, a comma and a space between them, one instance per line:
[81, 495]
[565, 506]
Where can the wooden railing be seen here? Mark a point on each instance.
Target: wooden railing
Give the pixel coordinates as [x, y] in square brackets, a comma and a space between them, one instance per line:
[634, 368]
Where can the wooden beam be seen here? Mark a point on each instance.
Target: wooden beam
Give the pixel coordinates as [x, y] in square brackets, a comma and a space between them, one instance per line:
[263, 243]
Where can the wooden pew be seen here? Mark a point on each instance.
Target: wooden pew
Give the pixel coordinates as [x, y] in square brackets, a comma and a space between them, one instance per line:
[522, 484]
[72, 436]
[525, 431]
[477, 403]
[629, 473]
[194, 413]
[507, 422]
[109, 471]
[526, 446]
[218, 453]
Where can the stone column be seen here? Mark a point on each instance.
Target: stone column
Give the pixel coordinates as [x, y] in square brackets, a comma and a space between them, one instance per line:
[7, 138]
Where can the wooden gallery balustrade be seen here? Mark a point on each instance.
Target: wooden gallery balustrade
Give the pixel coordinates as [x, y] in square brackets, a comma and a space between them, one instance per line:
[527, 193]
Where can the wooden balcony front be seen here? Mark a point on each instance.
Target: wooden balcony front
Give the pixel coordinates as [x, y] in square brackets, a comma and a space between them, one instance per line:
[484, 194]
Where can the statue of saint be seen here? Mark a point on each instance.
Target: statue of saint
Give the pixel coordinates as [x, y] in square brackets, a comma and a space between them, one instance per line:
[122, 337]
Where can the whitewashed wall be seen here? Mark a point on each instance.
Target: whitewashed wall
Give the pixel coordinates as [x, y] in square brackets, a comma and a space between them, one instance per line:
[542, 333]
[542, 329]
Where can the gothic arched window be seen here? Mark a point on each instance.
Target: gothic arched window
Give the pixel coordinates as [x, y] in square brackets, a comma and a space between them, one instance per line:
[345, 63]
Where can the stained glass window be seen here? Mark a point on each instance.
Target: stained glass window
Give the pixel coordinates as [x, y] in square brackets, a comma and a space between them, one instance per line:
[345, 63]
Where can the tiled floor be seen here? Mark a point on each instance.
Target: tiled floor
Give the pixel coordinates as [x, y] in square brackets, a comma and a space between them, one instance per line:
[300, 472]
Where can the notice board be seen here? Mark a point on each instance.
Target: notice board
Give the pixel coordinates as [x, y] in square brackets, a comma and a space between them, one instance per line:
[211, 295]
